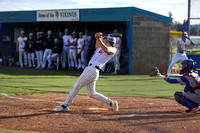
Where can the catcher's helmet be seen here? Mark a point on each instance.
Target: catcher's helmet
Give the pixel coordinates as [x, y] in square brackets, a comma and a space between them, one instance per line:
[189, 65]
[185, 34]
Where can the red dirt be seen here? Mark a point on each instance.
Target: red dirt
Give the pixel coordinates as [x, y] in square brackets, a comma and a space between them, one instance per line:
[136, 114]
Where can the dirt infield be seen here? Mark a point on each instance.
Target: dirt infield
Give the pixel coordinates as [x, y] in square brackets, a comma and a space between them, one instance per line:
[136, 114]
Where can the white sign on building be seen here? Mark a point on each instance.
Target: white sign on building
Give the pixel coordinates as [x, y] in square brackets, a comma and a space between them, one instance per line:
[58, 15]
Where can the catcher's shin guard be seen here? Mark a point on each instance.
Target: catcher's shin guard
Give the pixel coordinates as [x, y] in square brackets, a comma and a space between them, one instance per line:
[184, 101]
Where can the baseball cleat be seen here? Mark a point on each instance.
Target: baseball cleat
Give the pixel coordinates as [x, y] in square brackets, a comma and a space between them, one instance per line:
[61, 109]
[115, 106]
[195, 109]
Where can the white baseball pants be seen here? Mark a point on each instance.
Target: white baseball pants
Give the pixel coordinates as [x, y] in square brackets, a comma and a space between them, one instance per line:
[66, 56]
[22, 53]
[31, 59]
[81, 61]
[47, 52]
[39, 55]
[116, 61]
[86, 51]
[88, 77]
[73, 57]
[177, 56]
[54, 57]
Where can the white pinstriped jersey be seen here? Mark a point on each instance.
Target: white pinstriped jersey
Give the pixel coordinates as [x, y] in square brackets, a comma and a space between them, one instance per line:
[100, 58]
[21, 42]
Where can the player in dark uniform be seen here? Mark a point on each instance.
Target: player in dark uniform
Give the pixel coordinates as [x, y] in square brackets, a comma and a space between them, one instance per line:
[57, 49]
[48, 44]
[39, 48]
[30, 49]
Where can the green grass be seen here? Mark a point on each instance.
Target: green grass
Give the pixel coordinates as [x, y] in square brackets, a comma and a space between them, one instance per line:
[13, 131]
[17, 81]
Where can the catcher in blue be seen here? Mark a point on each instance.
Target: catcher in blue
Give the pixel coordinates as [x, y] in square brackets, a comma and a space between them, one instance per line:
[190, 98]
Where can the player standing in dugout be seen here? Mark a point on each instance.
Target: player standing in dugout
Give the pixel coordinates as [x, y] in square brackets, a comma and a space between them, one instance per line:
[20, 47]
[48, 44]
[65, 53]
[39, 47]
[105, 50]
[30, 49]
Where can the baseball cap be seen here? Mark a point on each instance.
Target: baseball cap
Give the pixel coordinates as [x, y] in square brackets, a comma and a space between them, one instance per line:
[111, 39]
[115, 30]
[80, 33]
[60, 33]
[41, 32]
[30, 34]
[55, 39]
[66, 30]
[49, 32]
[74, 33]
[22, 32]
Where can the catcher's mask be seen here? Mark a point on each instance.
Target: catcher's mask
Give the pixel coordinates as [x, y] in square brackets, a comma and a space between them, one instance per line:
[111, 40]
[189, 65]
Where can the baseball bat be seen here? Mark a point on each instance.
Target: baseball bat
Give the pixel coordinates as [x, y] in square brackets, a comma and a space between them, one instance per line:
[115, 35]
[185, 26]
[112, 35]
[191, 41]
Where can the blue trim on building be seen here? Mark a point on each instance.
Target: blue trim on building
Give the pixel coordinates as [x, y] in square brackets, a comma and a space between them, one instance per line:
[87, 15]
[105, 14]
[18, 16]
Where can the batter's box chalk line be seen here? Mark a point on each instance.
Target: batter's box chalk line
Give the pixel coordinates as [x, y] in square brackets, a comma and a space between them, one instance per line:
[95, 115]
[37, 100]
[98, 109]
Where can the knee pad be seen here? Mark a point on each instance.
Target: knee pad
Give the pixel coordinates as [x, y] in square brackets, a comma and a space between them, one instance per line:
[184, 101]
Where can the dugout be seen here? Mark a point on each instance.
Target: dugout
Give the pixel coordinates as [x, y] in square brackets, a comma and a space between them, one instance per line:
[145, 39]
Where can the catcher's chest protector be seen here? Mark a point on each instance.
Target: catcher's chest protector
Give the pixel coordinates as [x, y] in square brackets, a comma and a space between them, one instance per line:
[195, 76]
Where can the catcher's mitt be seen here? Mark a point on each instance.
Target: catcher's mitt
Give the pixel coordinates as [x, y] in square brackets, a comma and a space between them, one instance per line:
[154, 72]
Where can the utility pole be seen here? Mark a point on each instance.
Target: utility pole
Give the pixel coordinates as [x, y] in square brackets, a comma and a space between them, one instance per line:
[189, 1]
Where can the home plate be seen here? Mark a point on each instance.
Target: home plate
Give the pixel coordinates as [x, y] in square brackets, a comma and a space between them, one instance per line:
[97, 109]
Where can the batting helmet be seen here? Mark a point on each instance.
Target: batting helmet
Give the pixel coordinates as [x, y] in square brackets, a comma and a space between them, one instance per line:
[189, 65]
[111, 40]
[185, 34]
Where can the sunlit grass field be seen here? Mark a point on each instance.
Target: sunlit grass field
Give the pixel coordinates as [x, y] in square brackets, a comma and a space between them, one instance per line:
[17, 81]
